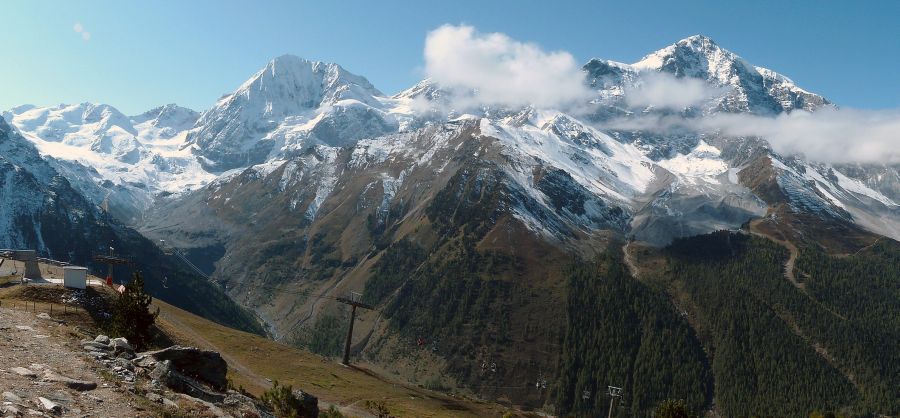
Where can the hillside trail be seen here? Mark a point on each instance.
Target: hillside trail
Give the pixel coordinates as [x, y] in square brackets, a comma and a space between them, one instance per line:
[788, 319]
[30, 347]
[793, 253]
[629, 261]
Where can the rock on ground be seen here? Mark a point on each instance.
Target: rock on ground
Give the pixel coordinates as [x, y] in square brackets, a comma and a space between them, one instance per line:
[72, 372]
[204, 365]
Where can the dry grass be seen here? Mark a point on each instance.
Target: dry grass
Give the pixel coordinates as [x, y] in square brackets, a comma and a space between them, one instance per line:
[253, 359]
[4, 280]
[49, 299]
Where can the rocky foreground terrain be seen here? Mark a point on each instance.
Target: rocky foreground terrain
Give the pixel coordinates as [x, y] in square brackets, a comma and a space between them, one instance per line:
[47, 368]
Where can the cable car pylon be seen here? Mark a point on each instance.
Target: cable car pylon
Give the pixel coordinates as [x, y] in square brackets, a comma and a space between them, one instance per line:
[355, 300]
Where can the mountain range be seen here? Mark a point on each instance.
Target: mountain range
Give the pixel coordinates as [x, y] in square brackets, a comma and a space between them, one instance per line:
[461, 224]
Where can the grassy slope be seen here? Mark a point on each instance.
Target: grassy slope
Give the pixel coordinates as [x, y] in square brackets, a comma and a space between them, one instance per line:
[253, 359]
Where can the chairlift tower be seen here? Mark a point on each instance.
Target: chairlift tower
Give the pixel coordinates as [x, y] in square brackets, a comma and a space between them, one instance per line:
[613, 393]
[111, 260]
[355, 300]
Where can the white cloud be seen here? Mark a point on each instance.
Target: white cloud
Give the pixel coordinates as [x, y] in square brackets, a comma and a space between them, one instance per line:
[79, 28]
[493, 69]
[827, 135]
[663, 90]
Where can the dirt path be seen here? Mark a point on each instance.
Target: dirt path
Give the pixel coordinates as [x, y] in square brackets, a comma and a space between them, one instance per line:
[818, 347]
[793, 253]
[864, 248]
[629, 261]
[786, 316]
[30, 344]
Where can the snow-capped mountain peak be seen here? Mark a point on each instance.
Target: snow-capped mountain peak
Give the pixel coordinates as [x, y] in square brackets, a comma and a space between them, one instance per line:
[288, 103]
[293, 105]
[288, 83]
[696, 56]
[171, 116]
[107, 155]
[750, 88]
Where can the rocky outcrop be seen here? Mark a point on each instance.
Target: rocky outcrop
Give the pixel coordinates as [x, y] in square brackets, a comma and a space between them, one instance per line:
[178, 375]
[114, 353]
[166, 374]
[204, 365]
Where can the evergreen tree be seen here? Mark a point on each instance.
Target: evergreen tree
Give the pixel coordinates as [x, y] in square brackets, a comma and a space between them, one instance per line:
[672, 408]
[132, 317]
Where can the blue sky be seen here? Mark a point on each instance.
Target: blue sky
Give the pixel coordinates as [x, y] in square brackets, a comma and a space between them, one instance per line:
[142, 54]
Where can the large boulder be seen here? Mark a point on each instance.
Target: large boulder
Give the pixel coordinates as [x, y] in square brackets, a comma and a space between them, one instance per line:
[166, 374]
[203, 365]
[309, 404]
[95, 346]
[120, 344]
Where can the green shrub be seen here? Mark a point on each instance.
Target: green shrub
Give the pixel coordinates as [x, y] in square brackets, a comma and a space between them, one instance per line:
[284, 403]
[672, 408]
[132, 317]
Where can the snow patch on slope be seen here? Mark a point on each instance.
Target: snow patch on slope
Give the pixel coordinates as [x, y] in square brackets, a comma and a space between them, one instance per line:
[703, 163]
[596, 161]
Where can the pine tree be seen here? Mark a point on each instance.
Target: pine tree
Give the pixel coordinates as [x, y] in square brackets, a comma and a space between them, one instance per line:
[672, 409]
[132, 318]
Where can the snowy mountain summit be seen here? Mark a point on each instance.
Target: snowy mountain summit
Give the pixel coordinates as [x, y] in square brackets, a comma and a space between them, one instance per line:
[108, 156]
[657, 177]
[732, 83]
[284, 106]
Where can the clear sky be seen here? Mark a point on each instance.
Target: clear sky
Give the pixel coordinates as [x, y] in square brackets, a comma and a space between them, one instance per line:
[136, 55]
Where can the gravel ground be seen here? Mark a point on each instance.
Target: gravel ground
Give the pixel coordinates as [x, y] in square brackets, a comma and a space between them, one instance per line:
[32, 351]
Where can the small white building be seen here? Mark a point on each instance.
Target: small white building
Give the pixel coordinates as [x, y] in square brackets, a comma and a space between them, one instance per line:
[75, 277]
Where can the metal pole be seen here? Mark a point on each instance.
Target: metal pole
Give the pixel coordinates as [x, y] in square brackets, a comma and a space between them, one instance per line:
[614, 392]
[349, 335]
[109, 272]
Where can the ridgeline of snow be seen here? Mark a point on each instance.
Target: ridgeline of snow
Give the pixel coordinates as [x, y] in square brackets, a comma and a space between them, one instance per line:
[292, 106]
[105, 154]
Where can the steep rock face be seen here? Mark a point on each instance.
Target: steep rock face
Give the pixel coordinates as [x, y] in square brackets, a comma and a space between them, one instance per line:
[37, 201]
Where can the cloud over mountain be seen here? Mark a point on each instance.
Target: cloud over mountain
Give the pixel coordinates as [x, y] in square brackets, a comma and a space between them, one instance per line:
[827, 135]
[664, 90]
[494, 69]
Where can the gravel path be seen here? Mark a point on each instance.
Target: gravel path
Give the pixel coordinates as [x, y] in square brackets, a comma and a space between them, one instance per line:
[39, 358]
